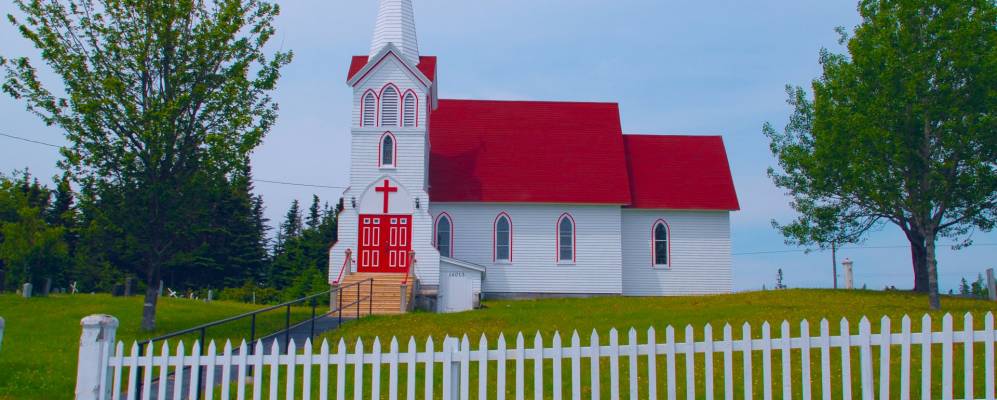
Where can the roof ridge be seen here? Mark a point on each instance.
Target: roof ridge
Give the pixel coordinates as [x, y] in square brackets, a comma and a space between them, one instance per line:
[535, 101]
[682, 135]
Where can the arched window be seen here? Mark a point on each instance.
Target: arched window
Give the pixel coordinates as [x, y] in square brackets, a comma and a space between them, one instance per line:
[444, 235]
[409, 107]
[503, 238]
[660, 244]
[387, 150]
[369, 110]
[389, 106]
[565, 239]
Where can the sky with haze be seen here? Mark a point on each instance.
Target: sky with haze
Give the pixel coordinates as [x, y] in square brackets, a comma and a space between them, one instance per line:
[675, 67]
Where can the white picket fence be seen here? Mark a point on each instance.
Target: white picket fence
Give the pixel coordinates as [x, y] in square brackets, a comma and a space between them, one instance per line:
[106, 371]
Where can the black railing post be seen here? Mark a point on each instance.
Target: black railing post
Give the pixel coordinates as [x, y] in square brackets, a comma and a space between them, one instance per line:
[200, 370]
[370, 298]
[287, 327]
[311, 335]
[252, 335]
[340, 308]
[358, 301]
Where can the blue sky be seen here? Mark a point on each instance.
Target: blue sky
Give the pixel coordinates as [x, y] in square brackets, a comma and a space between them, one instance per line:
[674, 67]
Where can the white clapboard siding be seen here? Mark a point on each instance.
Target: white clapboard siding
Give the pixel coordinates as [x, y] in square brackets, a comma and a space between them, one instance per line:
[103, 362]
[534, 267]
[700, 259]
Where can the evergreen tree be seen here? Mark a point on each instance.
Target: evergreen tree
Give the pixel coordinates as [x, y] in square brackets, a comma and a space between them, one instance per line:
[964, 287]
[314, 216]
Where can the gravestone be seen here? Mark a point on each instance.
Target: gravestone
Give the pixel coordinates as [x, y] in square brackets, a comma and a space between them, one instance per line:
[118, 290]
[26, 290]
[849, 275]
[48, 287]
[128, 286]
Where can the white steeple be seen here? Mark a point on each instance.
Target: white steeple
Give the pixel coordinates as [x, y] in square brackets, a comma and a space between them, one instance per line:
[396, 25]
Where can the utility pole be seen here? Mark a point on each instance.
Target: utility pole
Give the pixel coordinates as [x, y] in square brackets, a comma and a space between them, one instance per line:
[834, 262]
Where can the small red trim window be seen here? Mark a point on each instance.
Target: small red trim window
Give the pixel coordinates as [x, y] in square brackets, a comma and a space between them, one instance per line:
[659, 244]
[389, 106]
[409, 106]
[387, 155]
[369, 109]
[503, 238]
[444, 235]
[566, 239]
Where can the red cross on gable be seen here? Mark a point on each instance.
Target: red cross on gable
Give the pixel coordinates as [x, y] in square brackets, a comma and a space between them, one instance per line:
[387, 189]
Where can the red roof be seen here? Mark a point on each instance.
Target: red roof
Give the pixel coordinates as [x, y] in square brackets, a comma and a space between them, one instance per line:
[525, 151]
[427, 65]
[679, 172]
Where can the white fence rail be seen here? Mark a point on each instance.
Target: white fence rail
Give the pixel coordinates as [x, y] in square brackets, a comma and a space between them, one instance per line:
[809, 365]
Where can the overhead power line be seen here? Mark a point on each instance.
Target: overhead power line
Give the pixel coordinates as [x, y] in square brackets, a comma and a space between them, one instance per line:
[24, 139]
[30, 140]
[749, 253]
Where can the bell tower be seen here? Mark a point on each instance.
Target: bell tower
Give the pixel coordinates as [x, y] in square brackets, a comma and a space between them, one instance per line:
[386, 221]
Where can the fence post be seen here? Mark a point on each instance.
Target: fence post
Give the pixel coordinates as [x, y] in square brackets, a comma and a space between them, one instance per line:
[452, 347]
[96, 343]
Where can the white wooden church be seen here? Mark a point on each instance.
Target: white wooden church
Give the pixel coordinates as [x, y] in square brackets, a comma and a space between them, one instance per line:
[454, 200]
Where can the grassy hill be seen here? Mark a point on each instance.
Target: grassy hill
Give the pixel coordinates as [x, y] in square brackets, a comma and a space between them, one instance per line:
[41, 341]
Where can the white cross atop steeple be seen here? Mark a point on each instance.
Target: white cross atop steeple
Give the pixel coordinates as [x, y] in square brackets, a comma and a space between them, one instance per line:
[396, 25]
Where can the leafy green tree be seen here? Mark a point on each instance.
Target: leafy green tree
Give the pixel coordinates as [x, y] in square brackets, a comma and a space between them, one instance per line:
[156, 94]
[901, 130]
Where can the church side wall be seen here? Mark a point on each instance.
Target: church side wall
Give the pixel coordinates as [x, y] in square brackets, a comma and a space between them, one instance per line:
[700, 253]
[534, 268]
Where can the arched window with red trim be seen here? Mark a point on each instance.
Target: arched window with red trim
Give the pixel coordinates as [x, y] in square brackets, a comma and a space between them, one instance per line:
[565, 239]
[444, 235]
[660, 235]
[503, 238]
[387, 156]
[389, 106]
[368, 109]
[410, 105]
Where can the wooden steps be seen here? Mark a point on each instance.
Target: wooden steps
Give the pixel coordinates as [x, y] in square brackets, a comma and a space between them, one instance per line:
[386, 298]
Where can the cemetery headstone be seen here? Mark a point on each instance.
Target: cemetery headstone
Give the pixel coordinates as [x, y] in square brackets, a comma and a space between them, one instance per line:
[48, 287]
[72, 287]
[128, 286]
[849, 275]
[118, 290]
[26, 290]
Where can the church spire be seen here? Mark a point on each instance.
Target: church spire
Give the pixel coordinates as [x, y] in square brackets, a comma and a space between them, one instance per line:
[396, 25]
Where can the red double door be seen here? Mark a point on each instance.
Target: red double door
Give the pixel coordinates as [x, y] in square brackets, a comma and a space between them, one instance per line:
[385, 241]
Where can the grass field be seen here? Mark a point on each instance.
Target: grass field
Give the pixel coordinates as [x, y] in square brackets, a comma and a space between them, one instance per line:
[602, 314]
[38, 358]
[41, 340]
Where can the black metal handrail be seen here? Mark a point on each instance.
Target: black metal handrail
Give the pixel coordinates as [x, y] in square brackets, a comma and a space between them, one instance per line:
[202, 329]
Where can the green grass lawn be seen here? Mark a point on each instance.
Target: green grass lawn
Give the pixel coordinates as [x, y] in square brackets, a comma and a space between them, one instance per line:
[38, 357]
[602, 314]
[41, 340]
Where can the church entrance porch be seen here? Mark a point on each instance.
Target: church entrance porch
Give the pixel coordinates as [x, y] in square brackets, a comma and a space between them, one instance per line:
[385, 241]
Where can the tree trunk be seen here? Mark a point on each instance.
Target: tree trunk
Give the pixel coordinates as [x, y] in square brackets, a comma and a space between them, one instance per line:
[932, 264]
[919, 261]
[151, 297]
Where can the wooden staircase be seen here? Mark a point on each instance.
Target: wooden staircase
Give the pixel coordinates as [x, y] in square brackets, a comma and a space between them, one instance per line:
[386, 296]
